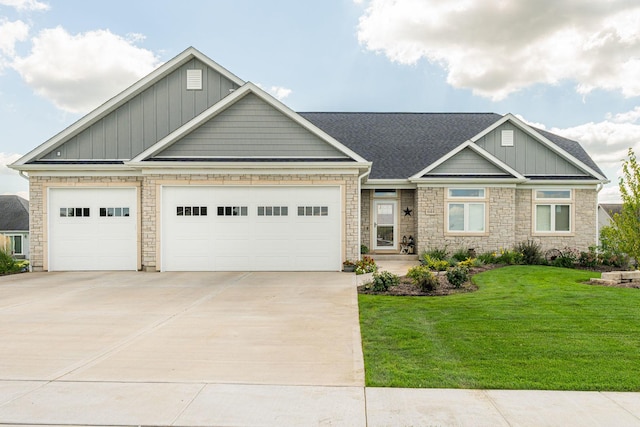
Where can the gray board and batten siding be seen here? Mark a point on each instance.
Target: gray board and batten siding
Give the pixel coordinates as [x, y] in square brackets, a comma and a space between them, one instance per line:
[527, 155]
[467, 162]
[251, 128]
[146, 118]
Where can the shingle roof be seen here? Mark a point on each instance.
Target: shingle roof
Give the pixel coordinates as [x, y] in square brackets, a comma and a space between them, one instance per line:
[402, 144]
[612, 208]
[14, 213]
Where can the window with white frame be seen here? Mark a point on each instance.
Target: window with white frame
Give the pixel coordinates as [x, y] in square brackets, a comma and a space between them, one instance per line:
[15, 244]
[466, 210]
[552, 210]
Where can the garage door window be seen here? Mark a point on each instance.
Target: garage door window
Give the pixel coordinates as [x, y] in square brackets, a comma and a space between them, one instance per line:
[191, 211]
[75, 212]
[110, 212]
[313, 210]
[232, 211]
[273, 211]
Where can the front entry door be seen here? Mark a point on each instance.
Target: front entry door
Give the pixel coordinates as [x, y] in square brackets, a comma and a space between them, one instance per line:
[385, 228]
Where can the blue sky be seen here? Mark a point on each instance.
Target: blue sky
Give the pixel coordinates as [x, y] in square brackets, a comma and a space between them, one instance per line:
[570, 66]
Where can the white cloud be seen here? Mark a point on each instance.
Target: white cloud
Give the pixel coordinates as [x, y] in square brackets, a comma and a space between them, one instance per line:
[7, 159]
[496, 48]
[25, 4]
[11, 32]
[277, 92]
[79, 72]
[280, 92]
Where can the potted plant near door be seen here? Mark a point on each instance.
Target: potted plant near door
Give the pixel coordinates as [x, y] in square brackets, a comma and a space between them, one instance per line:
[348, 266]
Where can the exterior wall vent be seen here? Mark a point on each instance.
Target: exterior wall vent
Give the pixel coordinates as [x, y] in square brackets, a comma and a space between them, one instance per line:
[507, 138]
[194, 79]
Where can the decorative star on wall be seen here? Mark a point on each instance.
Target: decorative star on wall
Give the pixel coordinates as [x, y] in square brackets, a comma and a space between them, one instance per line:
[407, 212]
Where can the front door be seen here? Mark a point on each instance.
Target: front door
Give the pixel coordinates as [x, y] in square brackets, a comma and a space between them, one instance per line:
[385, 228]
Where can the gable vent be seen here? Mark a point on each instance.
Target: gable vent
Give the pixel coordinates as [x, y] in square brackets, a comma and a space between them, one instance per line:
[194, 79]
[507, 138]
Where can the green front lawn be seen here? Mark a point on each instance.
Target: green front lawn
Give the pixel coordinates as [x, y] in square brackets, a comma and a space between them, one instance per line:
[527, 327]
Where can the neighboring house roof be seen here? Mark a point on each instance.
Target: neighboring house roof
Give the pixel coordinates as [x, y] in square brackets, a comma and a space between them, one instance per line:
[401, 145]
[14, 213]
[611, 208]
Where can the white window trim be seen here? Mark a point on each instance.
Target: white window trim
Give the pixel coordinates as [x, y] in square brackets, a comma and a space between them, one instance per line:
[466, 201]
[552, 203]
[12, 244]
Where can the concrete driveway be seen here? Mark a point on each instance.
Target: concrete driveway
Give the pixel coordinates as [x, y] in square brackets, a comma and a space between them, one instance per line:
[140, 347]
[256, 328]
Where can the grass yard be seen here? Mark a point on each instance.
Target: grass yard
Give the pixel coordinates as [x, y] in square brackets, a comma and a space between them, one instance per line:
[527, 327]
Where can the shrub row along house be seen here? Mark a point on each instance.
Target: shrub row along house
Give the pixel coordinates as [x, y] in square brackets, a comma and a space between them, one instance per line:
[192, 168]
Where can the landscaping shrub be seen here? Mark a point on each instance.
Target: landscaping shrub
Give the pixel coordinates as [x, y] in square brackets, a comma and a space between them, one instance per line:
[469, 262]
[589, 258]
[437, 254]
[436, 264]
[567, 258]
[423, 277]
[508, 257]
[7, 263]
[613, 259]
[487, 258]
[460, 255]
[531, 252]
[364, 249]
[383, 280]
[457, 276]
[366, 265]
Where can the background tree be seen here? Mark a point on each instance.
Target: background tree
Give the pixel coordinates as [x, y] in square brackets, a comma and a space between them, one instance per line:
[624, 233]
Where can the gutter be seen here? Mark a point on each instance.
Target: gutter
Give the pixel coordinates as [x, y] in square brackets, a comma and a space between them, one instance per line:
[359, 210]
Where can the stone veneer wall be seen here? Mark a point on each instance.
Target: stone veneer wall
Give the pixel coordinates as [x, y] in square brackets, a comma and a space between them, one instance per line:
[584, 219]
[406, 223]
[365, 218]
[38, 208]
[510, 222]
[500, 212]
[150, 210]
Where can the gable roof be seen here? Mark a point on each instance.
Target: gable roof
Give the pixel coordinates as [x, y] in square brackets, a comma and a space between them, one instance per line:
[14, 213]
[401, 145]
[611, 208]
[227, 102]
[123, 97]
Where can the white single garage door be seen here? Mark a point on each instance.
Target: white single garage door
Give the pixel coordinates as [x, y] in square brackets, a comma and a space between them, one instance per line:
[92, 229]
[251, 228]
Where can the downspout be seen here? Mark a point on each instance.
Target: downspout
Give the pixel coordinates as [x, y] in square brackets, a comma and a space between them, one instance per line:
[21, 173]
[360, 178]
[599, 188]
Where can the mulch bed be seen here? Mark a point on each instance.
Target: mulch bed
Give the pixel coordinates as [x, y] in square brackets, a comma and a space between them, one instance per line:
[408, 288]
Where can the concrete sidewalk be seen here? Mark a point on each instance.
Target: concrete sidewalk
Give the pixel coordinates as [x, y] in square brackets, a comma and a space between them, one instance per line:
[198, 404]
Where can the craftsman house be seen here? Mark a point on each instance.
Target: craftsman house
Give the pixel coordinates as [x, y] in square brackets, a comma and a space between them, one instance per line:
[192, 168]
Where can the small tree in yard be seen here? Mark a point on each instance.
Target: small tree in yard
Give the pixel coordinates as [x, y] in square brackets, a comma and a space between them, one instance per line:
[623, 235]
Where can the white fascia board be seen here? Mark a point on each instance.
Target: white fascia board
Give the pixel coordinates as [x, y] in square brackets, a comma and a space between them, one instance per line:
[578, 184]
[482, 152]
[388, 184]
[541, 138]
[229, 101]
[50, 168]
[124, 96]
[431, 182]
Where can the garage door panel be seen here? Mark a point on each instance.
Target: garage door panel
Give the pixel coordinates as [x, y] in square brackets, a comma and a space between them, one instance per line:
[270, 241]
[91, 241]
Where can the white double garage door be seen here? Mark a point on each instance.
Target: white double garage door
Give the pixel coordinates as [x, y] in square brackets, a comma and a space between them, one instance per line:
[202, 228]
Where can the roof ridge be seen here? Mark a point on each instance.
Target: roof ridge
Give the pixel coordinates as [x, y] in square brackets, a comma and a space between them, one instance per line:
[398, 112]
